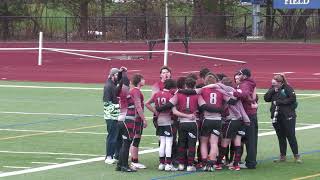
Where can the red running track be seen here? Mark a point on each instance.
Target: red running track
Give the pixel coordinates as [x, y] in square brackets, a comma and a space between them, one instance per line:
[264, 59]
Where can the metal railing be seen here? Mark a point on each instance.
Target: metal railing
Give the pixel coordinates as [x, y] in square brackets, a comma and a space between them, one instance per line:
[141, 28]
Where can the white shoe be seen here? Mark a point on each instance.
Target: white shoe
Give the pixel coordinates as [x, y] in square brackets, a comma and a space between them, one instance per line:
[170, 167]
[230, 164]
[204, 168]
[181, 167]
[109, 160]
[161, 167]
[138, 165]
[191, 168]
[242, 166]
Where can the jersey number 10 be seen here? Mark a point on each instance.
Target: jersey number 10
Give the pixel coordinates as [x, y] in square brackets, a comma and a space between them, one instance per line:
[161, 101]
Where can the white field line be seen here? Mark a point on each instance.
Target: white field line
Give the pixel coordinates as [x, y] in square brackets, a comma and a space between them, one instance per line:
[297, 129]
[50, 153]
[72, 159]
[304, 124]
[91, 88]
[16, 167]
[146, 147]
[27, 171]
[47, 163]
[62, 131]
[44, 131]
[56, 114]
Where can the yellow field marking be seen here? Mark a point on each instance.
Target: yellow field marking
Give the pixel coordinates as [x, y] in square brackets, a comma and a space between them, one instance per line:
[44, 133]
[307, 177]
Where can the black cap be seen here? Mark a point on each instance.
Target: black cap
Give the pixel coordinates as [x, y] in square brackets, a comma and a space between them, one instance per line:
[245, 72]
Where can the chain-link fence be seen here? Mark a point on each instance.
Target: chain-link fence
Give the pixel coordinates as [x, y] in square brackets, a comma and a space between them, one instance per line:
[141, 28]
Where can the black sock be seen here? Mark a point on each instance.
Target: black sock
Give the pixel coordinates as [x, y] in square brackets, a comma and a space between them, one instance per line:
[222, 153]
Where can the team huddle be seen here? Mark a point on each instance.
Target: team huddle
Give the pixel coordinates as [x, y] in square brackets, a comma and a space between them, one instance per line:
[214, 111]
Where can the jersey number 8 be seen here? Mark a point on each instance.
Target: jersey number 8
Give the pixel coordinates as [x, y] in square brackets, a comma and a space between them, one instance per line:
[213, 98]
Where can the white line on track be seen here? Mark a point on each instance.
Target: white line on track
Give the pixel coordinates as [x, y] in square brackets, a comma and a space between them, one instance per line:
[283, 72]
[186, 72]
[16, 167]
[316, 74]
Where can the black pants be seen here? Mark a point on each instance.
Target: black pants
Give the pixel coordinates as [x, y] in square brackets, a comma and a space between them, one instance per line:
[251, 142]
[112, 140]
[285, 129]
[125, 147]
[188, 136]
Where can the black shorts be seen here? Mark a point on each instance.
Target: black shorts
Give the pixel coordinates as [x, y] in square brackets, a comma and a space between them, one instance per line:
[126, 129]
[231, 128]
[211, 127]
[188, 129]
[138, 126]
[166, 131]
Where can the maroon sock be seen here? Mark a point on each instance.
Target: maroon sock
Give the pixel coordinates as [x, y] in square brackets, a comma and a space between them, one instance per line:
[162, 160]
[134, 160]
[168, 160]
[237, 155]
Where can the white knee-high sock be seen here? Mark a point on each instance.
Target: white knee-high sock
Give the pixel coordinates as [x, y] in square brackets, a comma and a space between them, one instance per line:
[162, 146]
[169, 141]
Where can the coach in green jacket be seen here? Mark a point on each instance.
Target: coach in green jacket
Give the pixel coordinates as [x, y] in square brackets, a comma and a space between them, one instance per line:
[283, 115]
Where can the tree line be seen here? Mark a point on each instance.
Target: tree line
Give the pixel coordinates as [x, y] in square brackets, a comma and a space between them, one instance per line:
[217, 18]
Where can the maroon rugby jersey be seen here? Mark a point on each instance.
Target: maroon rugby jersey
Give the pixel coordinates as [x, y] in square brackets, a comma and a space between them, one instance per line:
[160, 99]
[123, 102]
[135, 96]
[215, 98]
[187, 104]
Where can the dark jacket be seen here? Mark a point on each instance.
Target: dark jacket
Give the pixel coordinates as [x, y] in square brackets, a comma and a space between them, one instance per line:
[245, 92]
[285, 99]
[111, 90]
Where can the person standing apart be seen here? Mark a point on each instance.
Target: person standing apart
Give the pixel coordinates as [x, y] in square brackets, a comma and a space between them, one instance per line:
[283, 115]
